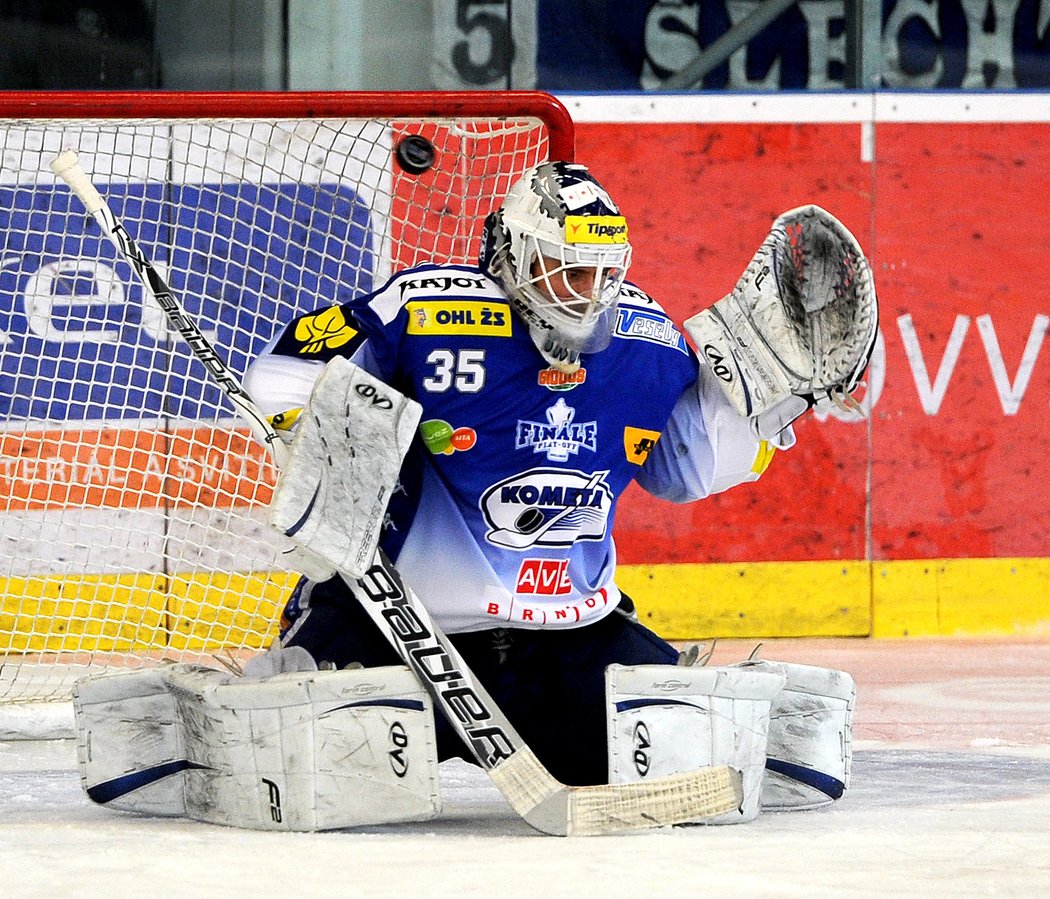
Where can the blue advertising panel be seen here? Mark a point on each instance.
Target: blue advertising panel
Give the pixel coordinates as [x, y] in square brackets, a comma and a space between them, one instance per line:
[79, 344]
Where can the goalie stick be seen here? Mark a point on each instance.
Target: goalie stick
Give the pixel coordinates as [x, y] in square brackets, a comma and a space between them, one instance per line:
[545, 803]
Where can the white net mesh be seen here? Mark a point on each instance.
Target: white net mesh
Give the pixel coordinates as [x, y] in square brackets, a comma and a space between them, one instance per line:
[131, 499]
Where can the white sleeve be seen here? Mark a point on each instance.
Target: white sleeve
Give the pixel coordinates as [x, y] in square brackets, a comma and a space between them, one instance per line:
[706, 447]
[279, 383]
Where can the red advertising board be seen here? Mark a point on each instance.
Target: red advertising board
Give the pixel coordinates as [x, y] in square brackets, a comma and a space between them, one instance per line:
[955, 216]
[956, 220]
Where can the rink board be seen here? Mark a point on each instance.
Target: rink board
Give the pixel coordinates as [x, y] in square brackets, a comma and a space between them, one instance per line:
[928, 517]
[913, 598]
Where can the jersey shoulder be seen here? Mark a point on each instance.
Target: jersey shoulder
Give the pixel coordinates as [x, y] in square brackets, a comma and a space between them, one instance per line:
[640, 317]
[445, 301]
[427, 299]
[433, 285]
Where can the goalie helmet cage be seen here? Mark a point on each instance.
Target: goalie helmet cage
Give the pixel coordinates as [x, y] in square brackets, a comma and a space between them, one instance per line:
[132, 498]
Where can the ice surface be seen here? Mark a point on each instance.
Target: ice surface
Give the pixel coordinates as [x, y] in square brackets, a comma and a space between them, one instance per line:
[950, 797]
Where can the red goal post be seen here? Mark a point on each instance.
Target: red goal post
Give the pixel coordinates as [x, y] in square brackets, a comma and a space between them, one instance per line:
[132, 501]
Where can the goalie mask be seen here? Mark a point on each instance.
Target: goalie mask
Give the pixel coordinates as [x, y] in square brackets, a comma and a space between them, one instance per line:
[558, 244]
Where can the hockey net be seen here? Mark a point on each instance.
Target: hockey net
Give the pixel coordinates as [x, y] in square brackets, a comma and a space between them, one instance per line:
[132, 501]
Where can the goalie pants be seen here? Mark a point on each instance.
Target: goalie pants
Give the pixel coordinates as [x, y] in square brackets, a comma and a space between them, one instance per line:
[550, 684]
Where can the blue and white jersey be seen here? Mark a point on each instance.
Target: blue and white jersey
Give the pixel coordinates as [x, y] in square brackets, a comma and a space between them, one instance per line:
[505, 508]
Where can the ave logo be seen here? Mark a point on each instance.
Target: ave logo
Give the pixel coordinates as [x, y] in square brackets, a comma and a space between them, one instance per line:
[544, 577]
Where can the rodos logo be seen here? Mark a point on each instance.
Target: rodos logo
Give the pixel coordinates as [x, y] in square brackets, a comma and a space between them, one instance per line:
[553, 379]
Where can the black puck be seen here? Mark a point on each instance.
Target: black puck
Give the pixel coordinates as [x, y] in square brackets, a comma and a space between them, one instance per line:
[529, 521]
[415, 154]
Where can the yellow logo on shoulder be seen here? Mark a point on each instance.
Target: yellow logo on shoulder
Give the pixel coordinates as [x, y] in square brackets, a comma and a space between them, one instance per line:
[638, 443]
[429, 317]
[595, 229]
[325, 330]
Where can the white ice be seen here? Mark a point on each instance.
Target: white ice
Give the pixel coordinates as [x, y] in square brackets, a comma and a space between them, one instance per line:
[950, 797]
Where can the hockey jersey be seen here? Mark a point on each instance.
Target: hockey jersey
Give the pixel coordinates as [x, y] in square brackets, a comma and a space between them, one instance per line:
[504, 512]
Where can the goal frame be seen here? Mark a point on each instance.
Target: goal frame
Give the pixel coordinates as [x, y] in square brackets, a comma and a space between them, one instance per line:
[133, 106]
[298, 104]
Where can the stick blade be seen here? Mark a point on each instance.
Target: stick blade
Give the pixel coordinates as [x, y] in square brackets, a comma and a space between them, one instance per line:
[553, 808]
[688, 798]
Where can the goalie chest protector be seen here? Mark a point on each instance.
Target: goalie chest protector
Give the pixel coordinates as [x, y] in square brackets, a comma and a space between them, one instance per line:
[517, 466]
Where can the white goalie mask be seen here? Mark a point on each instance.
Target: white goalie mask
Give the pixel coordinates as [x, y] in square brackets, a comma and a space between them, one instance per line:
[559, 246]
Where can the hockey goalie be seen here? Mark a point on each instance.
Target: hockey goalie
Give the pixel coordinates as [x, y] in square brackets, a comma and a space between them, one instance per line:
[478, 424]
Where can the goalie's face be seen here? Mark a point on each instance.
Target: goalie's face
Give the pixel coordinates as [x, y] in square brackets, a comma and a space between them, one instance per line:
[560, 248]
[574, 298]
[576, 288]
[571, 287]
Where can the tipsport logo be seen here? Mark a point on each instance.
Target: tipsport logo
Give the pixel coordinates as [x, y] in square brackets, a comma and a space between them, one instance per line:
[559, 436]
[593, 229]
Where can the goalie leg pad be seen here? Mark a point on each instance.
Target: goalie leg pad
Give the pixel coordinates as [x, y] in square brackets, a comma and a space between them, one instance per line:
[665, 720]
[297, 751]
[810, 736]
[130, 749]
[343, 466]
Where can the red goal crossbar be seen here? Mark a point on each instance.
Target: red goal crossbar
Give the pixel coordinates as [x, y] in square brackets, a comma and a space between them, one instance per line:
[299, 104]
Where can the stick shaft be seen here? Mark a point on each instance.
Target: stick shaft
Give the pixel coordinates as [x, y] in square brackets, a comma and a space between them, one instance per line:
[68, 168]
